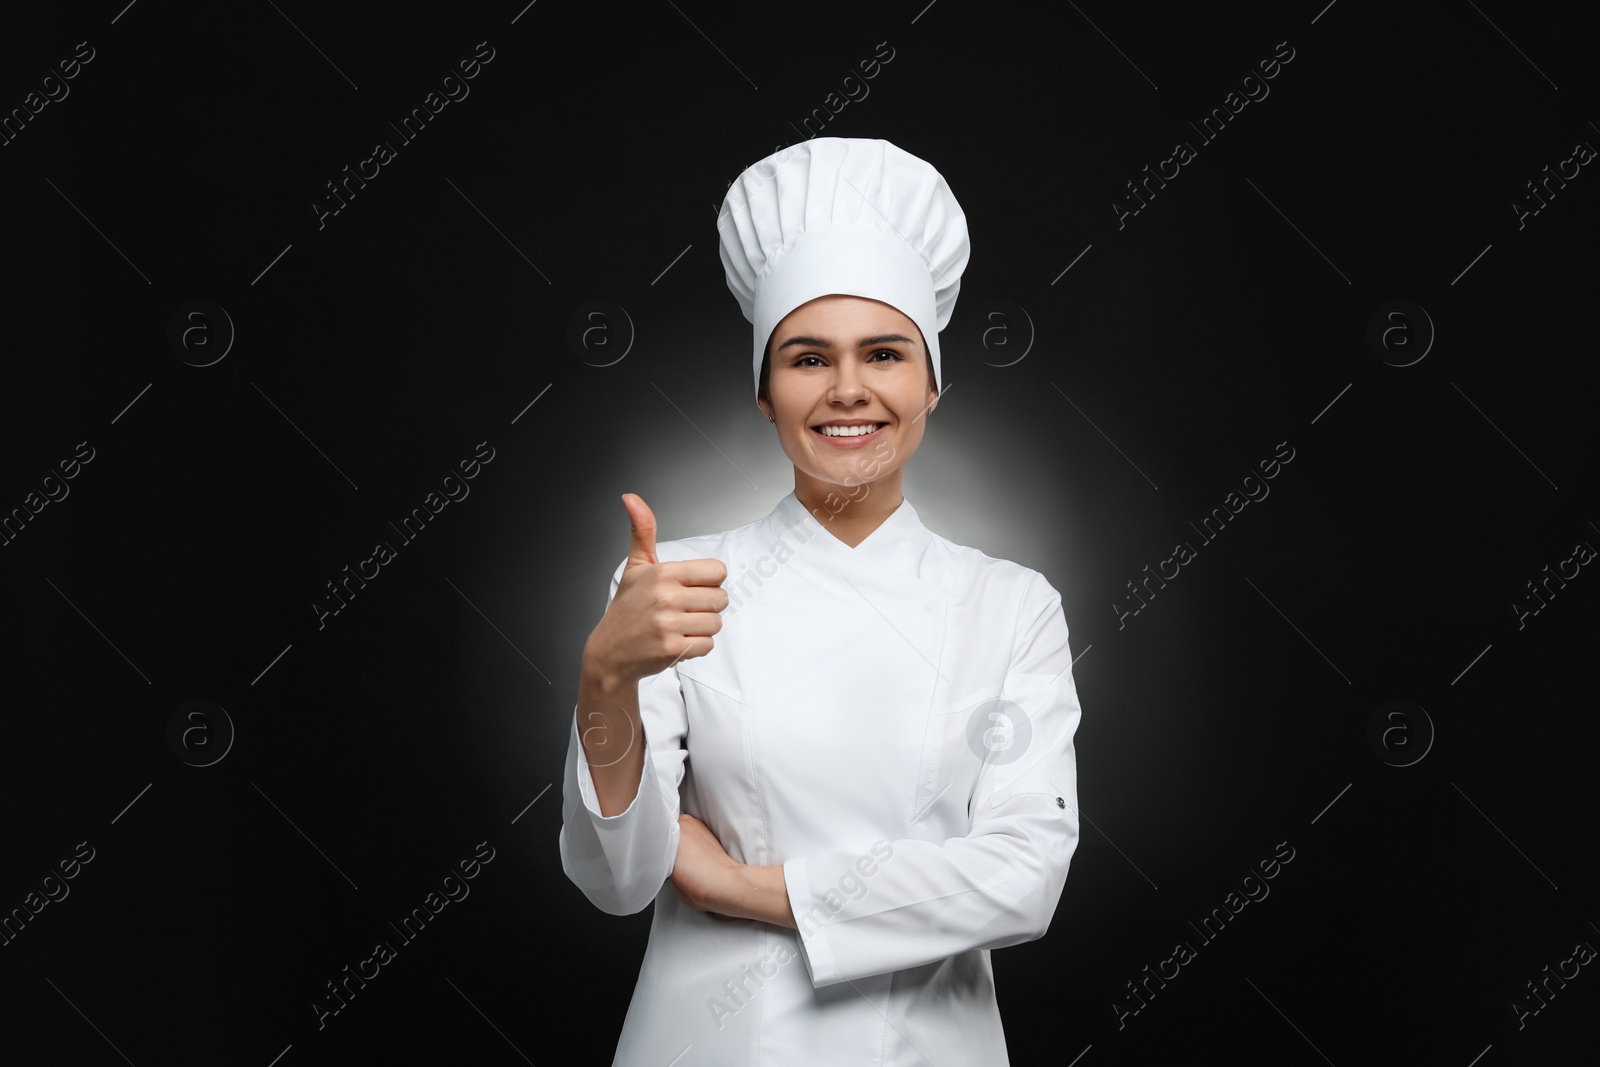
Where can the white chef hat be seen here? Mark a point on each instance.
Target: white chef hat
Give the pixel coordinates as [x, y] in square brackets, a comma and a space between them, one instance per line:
[848, 215]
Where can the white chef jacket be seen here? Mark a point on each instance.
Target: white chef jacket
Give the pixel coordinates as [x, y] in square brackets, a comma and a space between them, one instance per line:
[893, 723]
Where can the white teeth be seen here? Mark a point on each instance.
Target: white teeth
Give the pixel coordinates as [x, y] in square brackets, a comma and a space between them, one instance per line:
[848, 431]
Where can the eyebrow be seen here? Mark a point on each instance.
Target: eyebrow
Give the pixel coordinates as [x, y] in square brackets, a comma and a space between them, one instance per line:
[817, 342]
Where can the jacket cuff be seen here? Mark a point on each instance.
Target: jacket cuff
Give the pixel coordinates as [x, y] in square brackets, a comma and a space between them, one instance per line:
[810, 918]
[586, 787]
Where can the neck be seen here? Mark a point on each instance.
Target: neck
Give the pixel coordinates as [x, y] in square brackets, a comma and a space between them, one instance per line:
[849, 512]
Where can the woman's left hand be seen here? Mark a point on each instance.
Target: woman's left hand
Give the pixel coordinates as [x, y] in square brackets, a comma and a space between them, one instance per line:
[704, 876]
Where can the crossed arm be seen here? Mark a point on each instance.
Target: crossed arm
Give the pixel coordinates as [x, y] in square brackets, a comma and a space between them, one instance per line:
[704, 876]
[707, 879]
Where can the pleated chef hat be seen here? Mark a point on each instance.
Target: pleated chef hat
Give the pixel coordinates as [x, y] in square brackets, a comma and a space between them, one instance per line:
[846, 215]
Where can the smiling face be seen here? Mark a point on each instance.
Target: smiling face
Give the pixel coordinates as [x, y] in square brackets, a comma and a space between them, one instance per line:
[846, 361]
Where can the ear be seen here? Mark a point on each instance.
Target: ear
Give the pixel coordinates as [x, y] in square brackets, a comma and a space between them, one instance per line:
[766, 409]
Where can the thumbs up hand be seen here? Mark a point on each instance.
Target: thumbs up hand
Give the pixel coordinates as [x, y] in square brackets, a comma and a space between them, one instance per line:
[661, 613]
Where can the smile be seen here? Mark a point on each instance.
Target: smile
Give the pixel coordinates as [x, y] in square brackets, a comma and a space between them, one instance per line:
[848, 436]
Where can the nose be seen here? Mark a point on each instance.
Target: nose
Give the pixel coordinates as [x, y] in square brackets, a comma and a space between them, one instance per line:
[848, 386]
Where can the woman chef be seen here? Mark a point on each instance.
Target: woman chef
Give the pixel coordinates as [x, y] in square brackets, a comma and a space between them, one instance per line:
[866, 763]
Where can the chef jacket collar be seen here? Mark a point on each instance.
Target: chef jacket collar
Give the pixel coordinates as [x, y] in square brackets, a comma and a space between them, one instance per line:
[897, 543]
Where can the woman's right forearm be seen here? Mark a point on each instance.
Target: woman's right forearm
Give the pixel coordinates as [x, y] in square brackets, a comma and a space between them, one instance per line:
[613, 736]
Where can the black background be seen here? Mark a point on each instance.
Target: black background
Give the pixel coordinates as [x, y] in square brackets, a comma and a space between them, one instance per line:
[375, 352]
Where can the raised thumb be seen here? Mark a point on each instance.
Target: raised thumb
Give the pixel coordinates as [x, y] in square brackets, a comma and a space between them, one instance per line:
[642, 548]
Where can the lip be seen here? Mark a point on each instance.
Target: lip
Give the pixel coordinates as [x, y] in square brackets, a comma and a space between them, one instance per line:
[848, 442]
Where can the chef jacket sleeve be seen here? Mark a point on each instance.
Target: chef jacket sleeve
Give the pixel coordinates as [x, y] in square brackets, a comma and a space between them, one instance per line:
[909, 902]
[621, 861]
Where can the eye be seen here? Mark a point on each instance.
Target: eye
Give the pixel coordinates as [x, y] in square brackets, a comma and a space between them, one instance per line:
[800, 362]
[887, 352]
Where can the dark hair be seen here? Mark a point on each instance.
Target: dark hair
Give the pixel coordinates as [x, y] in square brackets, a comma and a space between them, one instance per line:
[765, 393]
